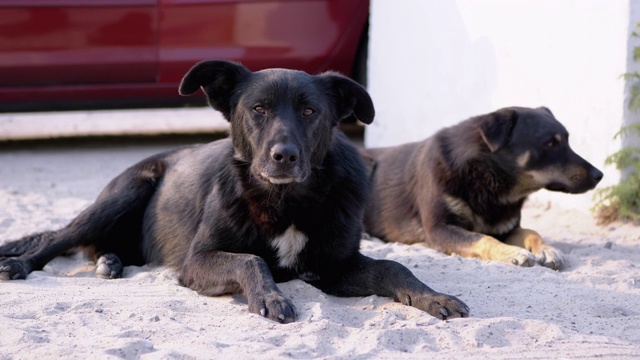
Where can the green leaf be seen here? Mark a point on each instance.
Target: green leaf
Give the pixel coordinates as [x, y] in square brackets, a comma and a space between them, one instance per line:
[636, 53]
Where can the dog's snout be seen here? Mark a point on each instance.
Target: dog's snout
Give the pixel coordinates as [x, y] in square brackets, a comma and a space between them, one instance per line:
[596, 174]
[285, 154]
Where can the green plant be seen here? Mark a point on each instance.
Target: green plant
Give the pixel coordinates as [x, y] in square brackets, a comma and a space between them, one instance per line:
[622, 201]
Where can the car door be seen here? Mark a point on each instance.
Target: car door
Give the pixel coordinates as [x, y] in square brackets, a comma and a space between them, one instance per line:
[77, 42]
[310, 35]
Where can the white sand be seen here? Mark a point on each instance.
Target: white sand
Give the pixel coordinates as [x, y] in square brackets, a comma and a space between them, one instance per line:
[591, 309]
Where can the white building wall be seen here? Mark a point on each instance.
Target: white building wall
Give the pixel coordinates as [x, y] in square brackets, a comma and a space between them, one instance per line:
[433, 63]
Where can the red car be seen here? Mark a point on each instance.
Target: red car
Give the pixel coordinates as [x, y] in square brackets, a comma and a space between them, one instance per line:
[88, 53]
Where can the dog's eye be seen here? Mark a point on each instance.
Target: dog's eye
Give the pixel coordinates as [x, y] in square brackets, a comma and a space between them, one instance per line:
[259, 109]
[554, 141]
[308, 112]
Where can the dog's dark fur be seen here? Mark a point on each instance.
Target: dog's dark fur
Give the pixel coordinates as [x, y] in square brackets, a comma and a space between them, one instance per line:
[462, 190]
[283, 198]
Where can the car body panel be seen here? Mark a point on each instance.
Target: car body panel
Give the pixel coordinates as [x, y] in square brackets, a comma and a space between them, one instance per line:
[79, 51]
[60, 42]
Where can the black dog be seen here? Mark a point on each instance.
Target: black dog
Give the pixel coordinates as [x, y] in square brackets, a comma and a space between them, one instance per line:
[283, 198]
[462, 190]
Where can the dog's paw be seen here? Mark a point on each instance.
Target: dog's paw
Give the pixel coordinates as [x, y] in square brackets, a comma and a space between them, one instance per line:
[550, 257]
[442, 306]
[514, 255]
[522, 258]
[13, 269]
[273, 306]
[109, 266]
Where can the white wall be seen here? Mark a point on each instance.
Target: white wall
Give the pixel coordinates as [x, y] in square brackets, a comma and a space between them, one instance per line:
[433, 63]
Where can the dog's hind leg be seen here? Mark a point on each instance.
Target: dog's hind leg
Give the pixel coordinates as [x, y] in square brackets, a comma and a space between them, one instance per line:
[85, 230]
[118, 210]
[109, 266]
[25, 244]
[545, 254]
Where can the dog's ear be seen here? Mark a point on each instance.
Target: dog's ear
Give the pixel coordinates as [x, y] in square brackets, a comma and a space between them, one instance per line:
[218, 80]
[496, 128]
[352, 100]
[544, 108]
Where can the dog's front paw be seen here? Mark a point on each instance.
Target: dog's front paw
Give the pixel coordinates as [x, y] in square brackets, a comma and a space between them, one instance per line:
[514, 255]
[109, 266]
[438, 305]
[273, 306]
[13, 269]
[522, 258]
[550, 257]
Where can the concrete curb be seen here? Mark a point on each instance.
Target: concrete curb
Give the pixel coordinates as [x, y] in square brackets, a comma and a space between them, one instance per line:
[64, 124]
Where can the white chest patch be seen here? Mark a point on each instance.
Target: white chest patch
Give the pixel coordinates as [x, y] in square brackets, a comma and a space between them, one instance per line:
[289, 245]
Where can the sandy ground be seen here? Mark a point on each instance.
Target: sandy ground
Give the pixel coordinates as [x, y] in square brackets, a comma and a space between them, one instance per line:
[589, 310]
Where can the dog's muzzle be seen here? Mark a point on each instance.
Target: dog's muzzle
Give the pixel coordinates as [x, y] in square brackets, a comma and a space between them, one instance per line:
[577, 180]
[283, 165]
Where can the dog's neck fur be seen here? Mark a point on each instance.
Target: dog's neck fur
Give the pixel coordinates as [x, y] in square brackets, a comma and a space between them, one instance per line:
[269, 204]
[471, 173]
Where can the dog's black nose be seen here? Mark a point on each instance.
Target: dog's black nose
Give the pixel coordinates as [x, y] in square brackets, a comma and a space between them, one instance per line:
[285, 154]
[596, 174]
